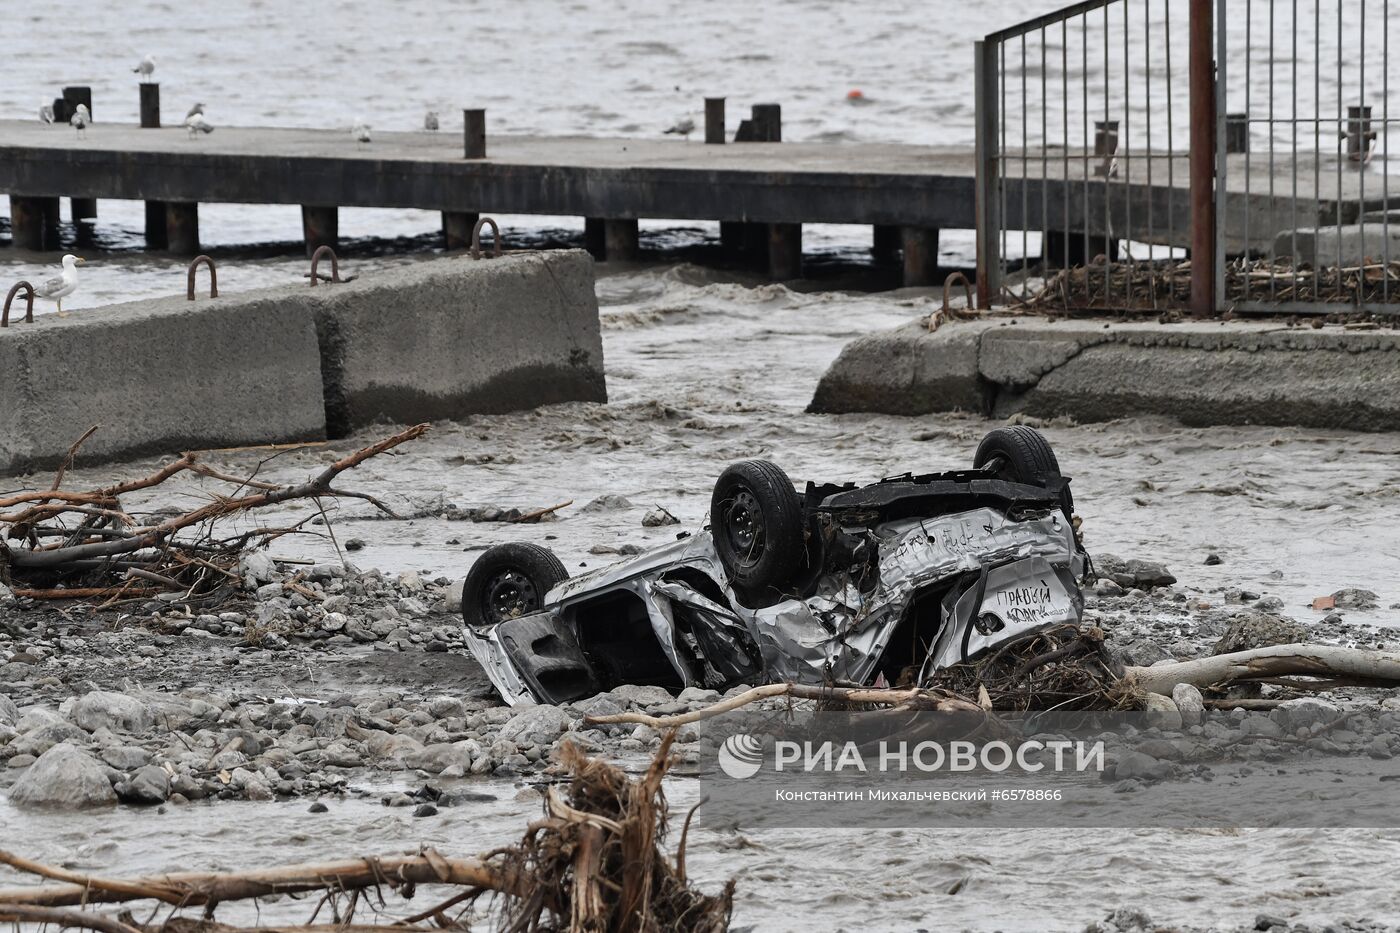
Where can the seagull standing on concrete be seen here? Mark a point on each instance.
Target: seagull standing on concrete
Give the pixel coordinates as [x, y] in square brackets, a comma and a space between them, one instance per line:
[360, 131]
[146, 68]
[430, 121]
[196, 124]
[80, 119]
[196, 109]
[683, 127]
[46, 113]
[62, 285]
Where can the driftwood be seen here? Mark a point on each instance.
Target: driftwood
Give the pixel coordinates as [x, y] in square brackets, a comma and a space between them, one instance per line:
[593, 862]
[1323, 665]
[72, 544]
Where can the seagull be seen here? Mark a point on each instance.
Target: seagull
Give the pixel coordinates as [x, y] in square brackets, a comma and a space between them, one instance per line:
[63, 285]
[196, 109]
[196, 124]
[146, 67]
[430, 121]
[360, 131]
[46, 113]
[80, 118]
[684, 127]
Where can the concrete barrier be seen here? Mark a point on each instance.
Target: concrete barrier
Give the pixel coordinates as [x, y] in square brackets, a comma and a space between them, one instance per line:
[429, 340]
[1200, 373]
[454, 336]
[158, 375]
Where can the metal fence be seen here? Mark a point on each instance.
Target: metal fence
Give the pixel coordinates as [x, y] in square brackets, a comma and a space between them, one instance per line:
[1088, 121]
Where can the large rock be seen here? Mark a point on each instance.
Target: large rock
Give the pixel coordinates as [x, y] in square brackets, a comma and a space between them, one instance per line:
[1259, 630]
[1189, 703]
[63, 777]
[115, 711]
[9, 713]
[148, 785]
[1133, 573]
[42, 738]
[539, 724]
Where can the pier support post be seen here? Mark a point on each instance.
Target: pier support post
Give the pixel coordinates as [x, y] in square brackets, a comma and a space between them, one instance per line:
[594, 238]
[714, 121]
[768, 123]
[73, 96]
[155, 210]
[320, 226]
[620, 240]
[182, 227]
[886, 243]
[744, 242]
[474, 133]
[457, 229]
[82, 210]
[34, 223]
[1202, 161]
[784, 252]
[920, 256]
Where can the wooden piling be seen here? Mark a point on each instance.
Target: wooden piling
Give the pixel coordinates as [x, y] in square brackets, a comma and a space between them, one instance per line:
[474, 133]
[34, 223]
[82, 210]
[714, 121]
[768, 123]
[182, 227]
[885, 244]
[620, 240]
[150, 105]
[320, 226]
[595, 238]
[457, 229]
[784, 252]
[920, 256]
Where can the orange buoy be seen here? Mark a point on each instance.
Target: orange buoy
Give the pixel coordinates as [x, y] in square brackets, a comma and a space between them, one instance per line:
[855, 93]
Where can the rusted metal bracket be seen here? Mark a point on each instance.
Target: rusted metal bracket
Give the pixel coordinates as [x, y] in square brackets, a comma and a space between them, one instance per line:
[15, 289]
[495, 238]
[936, 319]
[213, 277]
[324, 250]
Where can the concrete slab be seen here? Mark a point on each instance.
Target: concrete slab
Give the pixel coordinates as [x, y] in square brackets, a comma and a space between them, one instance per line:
[456, 336]
[1374, 241]
[158, 375]
[1207, 373]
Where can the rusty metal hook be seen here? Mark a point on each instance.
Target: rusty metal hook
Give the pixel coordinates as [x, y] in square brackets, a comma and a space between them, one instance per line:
[967, 288]
[495, 238]
[213, 277]
[324, 250]
[29, 303]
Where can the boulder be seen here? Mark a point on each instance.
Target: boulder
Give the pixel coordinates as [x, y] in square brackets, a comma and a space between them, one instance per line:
[640, 694]
[1133, 573]
[63, 777]
[538, 724]
[1304, 713]
[439, 756]
[1354, 598]
[9, 713]
[1162, 713]
[1189, 703]
[42, 738]
[147, 786]
[1252, 629]
[126, 757]
[116, 711]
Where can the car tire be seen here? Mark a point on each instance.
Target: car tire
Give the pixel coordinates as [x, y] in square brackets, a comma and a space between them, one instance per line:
[756, 524]
[1022, 454]
[509, 581]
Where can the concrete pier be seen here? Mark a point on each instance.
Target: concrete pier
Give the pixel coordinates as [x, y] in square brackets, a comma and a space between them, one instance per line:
[429, 340]
[34, 223]
[620, 240]
[920, 245]
[784, 252]
[321, 227]
[1199, 373]
[182, 227]
[457, 228]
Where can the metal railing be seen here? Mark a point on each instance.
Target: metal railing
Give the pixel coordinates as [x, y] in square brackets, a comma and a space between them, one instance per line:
[1107, 130]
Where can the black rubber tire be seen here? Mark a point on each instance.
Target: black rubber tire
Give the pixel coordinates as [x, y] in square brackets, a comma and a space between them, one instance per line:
[509, 581]
[756, 523]
[1025, 457]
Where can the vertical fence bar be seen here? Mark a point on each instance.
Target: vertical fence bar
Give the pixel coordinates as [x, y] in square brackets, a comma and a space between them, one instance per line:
[1341, 125]
[1385, 148]
[1273, 203]
[1025, 177]
[1064, 127]
[1171, 136]
[1107, 181]
[1317, 142]
[1222, 165]
[1044, 156]
[988, 226]
[1249, 152]
[1088, 148]
[1147, 146]
[1363, 127]
[1203, 134]
[1294, 221]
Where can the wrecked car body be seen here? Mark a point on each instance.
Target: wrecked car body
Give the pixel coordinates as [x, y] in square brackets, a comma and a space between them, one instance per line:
[842, 584]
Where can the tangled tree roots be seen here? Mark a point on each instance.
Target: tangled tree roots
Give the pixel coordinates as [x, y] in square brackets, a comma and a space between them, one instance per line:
[1063, 668]
[597, 861]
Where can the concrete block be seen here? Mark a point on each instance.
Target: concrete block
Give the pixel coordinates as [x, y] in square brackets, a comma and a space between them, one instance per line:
[1320, 246]
[456, 336]
[160, 375]
[906, 371]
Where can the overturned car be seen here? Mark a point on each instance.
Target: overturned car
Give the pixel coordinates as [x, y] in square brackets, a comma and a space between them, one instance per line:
[842, 585]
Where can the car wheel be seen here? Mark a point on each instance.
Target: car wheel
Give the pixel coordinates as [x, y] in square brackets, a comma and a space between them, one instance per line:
[756, 522]
[509, 581]
[1022, 454]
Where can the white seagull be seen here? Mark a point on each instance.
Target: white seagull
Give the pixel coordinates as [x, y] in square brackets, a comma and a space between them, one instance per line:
[196, 124]
[146, 67]
[684, 127]
[46, 113]
[79, 120]
[360, 131]
[196, 109]
[430, 120]
[62, 285]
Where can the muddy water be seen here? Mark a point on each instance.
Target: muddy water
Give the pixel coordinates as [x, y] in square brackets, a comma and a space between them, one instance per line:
[703, 371]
